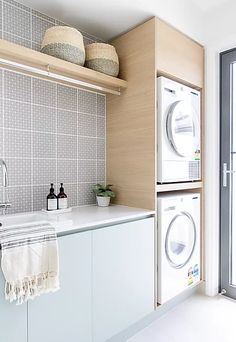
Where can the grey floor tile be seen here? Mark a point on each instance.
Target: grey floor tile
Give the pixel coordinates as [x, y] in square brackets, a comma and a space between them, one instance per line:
[19, 171]
[85, 194]
[44, 118]
[86, 148]
[44, 145]
[16, 21]
[66, 122]
[66, 146]
[17, 144]
[44, 171]
[87, 125]
[20, 198]
[44, 92]
[87, 102]
[17, 86]
[87, 171]
[17, 115]
[66, 98]
[67, 171]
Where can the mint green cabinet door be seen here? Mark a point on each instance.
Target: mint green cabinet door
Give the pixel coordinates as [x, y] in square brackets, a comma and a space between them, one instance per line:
[66, 315]
[13, 319]
[123, 276]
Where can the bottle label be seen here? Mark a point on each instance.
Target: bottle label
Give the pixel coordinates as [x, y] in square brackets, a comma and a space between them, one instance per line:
[62, 203]
[52, 204]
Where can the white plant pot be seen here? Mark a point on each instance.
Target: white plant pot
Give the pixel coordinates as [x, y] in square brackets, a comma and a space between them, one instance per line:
[103, 201]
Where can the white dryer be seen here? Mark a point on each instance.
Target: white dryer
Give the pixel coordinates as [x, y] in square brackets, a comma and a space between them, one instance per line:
[178, 132]
[178, 244]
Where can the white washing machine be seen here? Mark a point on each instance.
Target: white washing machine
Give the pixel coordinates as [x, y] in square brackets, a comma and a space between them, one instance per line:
[179, 137]
[178, 244]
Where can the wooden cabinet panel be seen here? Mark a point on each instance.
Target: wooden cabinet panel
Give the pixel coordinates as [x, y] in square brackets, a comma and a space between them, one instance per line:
[66, 315]
[131, 147]
[178, 56]
[13, 318]
[123, 276]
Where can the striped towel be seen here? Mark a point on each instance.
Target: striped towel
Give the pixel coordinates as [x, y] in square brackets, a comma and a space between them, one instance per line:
[29, 260]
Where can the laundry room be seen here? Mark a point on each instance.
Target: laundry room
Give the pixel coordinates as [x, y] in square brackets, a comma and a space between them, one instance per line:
[117, 171]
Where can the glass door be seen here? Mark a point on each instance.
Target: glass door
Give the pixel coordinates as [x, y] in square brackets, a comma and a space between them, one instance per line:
[228, 173]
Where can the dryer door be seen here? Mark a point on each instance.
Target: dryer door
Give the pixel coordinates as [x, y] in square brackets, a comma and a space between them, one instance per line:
[182, 128]
[180, 240]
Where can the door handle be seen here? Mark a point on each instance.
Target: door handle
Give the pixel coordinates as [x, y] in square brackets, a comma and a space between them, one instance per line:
[225, 173]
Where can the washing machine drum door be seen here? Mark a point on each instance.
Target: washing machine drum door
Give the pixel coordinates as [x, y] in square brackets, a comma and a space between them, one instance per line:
[182, 128]
[180, 240]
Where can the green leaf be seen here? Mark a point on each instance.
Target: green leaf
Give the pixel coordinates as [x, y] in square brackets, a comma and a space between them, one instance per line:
[103, 190]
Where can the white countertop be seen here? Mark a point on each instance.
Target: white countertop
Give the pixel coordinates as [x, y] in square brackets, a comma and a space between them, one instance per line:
[81, 218]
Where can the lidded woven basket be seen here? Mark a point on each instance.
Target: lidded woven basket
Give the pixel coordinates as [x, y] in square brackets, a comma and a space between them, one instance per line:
[103, 58]
[64, 42]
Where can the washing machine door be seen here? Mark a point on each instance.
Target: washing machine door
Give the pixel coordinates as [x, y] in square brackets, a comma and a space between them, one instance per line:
[180, 240]
[182, 127]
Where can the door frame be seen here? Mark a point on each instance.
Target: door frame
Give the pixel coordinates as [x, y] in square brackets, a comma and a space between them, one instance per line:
[226, 59]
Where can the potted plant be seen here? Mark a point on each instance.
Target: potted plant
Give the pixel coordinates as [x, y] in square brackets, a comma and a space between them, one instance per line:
[103, 194]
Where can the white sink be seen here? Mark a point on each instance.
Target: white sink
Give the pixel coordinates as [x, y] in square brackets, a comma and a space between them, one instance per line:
[21, 219]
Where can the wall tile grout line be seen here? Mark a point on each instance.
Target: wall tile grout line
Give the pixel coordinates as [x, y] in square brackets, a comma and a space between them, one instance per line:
[56, 134]
[32, 161]
[40, 141]
[3, 131]
[2, 18]
[77, 126]
[31, 29]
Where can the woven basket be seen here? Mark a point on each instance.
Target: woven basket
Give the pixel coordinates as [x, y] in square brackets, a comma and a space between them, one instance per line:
[103, 58]
[64, 42]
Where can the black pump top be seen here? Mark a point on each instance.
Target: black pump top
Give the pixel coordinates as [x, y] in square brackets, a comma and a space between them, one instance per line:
[52, 189]
[61, 188]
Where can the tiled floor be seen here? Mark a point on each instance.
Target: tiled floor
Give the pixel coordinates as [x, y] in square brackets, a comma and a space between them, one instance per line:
[197, 319]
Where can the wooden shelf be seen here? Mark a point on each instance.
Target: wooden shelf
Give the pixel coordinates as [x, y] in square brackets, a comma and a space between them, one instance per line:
[179, 186]
[52, 65]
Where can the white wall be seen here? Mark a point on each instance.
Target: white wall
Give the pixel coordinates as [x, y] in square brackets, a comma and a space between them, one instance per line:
[107, 19]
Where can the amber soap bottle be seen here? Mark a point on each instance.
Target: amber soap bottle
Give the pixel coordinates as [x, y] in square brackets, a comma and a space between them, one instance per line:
[62, 201]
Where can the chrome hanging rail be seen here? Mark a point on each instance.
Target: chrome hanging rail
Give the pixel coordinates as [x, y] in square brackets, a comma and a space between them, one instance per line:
[47, 73]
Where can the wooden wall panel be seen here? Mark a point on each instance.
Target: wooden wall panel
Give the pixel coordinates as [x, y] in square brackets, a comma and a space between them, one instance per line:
[131, 120]
[178, 56]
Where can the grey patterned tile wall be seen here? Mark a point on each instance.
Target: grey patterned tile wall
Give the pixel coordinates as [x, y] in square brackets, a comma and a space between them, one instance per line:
[48, 132]
[25, 26]
[45, 138]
